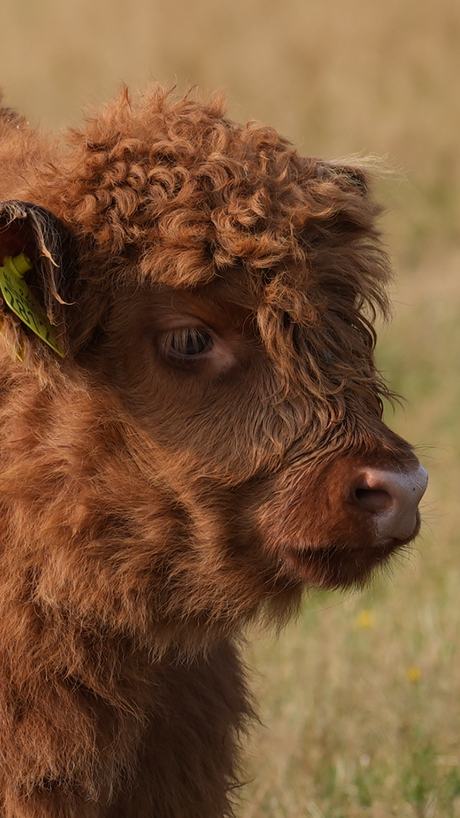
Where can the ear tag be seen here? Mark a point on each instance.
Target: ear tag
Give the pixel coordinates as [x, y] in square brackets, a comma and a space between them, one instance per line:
[23, 303]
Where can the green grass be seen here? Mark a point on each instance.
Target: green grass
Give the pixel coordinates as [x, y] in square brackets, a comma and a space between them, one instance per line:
[362, 720]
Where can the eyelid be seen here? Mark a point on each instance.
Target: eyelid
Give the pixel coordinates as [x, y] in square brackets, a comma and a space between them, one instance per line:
[190, 339]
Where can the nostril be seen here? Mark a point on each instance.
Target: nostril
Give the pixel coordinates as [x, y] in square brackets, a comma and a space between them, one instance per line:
[374, 501]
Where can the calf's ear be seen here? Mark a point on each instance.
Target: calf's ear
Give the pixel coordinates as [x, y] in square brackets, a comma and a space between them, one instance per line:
[36, 295]
[351, 178]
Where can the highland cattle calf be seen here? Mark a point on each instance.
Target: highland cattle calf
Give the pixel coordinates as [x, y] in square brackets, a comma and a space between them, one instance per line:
[191, 433]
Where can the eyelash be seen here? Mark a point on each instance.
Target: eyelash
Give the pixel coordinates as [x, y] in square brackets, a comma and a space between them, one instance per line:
[186, 343]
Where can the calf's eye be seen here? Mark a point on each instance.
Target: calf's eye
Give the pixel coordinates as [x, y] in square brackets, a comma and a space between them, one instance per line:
[186, 343]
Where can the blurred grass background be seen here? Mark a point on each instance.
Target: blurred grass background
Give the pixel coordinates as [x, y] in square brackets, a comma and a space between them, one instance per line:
[360, 699]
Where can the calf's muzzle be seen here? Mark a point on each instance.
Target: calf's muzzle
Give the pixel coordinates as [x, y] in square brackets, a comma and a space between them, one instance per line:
[331, 527]
[392, 499]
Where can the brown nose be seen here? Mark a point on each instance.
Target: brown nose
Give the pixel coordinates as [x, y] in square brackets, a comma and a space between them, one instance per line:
[392, 499]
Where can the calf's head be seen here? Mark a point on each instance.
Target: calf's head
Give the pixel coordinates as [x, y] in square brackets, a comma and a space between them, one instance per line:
[218, 413]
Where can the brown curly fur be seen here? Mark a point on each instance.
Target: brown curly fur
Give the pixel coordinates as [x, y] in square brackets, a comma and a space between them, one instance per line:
[147, 502]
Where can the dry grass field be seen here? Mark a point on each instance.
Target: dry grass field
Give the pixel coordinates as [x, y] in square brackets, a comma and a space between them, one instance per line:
[360, 699]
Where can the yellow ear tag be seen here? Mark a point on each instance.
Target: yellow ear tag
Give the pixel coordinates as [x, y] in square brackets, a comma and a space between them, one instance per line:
[23, 303]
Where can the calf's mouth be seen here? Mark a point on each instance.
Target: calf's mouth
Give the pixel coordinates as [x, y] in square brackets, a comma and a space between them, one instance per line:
[336, 566]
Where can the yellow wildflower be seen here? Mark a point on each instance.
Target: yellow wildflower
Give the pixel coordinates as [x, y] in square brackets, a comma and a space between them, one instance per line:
[414, 674]
[365, 620]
